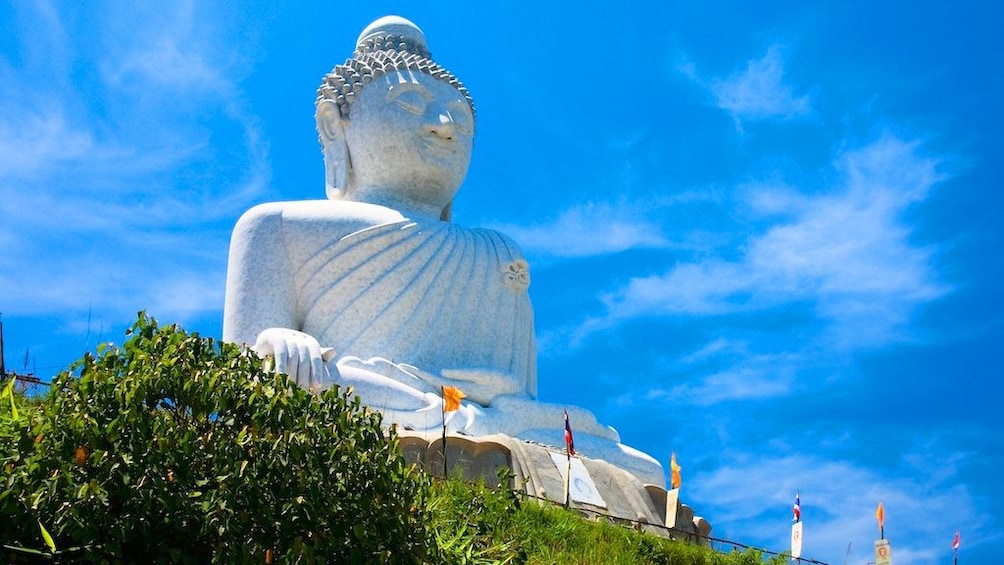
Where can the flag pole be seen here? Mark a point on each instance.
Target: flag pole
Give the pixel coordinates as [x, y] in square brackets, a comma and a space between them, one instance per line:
[3, 368]
[796, 528]
[568, 475]
[443, 391]
[569, 451]
[880, 516]
[451, 402]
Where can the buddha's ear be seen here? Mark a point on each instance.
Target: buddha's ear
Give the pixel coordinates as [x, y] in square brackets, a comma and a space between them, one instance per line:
[337, 165]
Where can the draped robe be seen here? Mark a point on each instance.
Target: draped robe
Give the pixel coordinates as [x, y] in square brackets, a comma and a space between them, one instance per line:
[434, 296]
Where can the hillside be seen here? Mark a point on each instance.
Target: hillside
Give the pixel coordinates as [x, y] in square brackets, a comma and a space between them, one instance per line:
[475, 524]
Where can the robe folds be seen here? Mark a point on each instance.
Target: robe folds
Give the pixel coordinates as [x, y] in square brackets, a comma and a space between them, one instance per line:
[434, 296]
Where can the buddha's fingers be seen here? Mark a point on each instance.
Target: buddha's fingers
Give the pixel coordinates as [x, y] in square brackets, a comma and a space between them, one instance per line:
[304, 364]
[280, 349]
[318, 372]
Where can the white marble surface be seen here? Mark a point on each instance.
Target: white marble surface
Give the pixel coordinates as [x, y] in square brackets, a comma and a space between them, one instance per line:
[373, 289]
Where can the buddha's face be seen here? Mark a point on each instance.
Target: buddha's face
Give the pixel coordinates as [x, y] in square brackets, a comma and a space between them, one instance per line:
[409, 137]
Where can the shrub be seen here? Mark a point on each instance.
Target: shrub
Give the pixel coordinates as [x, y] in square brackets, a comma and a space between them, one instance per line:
[176, 448]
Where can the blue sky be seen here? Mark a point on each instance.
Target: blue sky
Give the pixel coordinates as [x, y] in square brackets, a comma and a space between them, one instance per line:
[765, 237]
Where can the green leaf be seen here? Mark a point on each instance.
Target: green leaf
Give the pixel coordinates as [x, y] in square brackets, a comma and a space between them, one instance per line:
[8, 391]
[46, 537]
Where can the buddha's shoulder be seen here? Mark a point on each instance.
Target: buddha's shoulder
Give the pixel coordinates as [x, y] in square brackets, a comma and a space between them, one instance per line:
[497, 238]
[317, 214]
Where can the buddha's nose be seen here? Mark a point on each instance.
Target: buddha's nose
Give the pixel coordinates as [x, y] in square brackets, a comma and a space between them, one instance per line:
[440, 124]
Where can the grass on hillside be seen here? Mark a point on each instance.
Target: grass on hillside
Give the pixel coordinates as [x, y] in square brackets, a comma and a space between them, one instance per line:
[477, 524]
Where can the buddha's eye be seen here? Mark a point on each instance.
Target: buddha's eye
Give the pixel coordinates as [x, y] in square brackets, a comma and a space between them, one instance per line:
[410, 100]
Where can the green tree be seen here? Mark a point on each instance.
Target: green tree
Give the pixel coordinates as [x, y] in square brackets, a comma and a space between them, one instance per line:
[177, 448]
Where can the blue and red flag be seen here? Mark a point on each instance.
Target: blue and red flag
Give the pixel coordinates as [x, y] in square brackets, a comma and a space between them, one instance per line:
[569, 442]
[797, 508]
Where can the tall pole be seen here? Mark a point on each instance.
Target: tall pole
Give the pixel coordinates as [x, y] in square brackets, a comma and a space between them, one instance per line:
[443, 391]
[568, 478]
[569, 451]
[3, 368]
[880, 516]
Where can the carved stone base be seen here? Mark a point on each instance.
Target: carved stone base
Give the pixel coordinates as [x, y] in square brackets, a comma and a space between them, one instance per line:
[601, 489]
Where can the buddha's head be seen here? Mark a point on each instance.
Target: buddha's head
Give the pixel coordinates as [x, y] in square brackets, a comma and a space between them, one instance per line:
[397, 128]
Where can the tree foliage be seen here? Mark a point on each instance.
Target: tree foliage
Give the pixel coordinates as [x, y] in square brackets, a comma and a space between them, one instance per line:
[177, 448]
[180, 449]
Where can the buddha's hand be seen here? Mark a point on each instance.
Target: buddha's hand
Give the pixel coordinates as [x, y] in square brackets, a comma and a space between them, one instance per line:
[296, 354]
[481, 386]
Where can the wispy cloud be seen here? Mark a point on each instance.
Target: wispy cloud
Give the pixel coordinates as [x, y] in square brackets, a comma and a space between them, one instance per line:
[761, 91]
[31, 140]
[847, 253]
[749, 496]
[591, 229]
[167, 60]
[746, 377]
[101, 188]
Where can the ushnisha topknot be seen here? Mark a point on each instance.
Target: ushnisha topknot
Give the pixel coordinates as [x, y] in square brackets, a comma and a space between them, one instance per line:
[389, 44]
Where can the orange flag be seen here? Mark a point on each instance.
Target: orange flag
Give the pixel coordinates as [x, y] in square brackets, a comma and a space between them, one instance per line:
[674, 469]
[880, 516]
[451, 398]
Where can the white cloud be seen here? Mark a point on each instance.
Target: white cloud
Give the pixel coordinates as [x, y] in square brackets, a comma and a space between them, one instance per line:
[711, 349]
[847, 253]
[690, 288]
[166, 62]
[751, 496]
[760, 92]
[737, 383]
[590, 229]
[169, 52]
[726, 370]
[103, 189]
[31, 140]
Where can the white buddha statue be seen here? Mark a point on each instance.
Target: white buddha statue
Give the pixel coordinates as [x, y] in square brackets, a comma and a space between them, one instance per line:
[376, 289]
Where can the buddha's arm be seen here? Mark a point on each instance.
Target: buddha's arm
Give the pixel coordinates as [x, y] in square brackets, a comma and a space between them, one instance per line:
[259, 304]
[259, 277]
